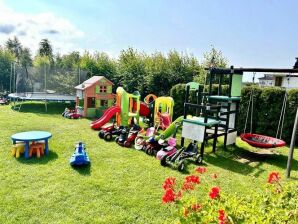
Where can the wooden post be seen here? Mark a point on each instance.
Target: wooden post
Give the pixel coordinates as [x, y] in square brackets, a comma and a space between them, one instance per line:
[291, 151]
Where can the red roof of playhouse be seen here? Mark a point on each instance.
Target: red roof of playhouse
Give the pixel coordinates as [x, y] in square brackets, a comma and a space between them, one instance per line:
[89, 82]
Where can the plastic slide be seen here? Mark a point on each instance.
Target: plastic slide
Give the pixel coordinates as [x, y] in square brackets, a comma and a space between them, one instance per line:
[108, 114]
[171, 129]
[144, 109]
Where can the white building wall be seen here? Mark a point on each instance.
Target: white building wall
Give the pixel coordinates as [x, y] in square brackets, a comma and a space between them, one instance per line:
[293, 82]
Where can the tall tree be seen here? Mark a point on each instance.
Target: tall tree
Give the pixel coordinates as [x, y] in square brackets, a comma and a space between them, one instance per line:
[6, 59]
[212, 58]
[26, 60]
[14, 46]
[45, 49]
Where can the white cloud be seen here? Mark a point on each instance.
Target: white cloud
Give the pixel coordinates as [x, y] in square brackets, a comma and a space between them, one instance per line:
[31, 28]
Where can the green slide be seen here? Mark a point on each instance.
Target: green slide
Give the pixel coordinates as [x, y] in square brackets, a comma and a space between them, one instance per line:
[170, 130]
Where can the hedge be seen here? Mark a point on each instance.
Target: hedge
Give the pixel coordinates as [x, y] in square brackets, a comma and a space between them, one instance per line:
[267, 108]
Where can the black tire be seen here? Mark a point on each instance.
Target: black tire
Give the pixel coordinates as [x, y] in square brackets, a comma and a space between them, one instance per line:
[181, 165]
[199, 159]
[117, 139]
[101, 134]
[163, 160]
[108, 136]
[149, 150]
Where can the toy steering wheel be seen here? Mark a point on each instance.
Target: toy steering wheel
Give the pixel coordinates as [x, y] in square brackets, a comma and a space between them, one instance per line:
[150, 98]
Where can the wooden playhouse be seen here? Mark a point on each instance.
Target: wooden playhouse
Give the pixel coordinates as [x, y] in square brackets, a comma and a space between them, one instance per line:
[94, 95]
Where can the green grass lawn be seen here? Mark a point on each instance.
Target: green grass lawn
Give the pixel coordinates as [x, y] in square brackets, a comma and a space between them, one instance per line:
[121, 185]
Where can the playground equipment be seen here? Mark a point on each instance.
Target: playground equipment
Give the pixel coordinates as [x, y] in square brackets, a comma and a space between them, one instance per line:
[105, 118]
[79, 157]
[263, 141]
[95, 95]
[128, 110]
[256, 140]
[163, 111]
[204, 125]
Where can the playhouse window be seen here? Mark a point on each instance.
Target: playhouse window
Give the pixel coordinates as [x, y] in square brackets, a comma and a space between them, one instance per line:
[103, 89]
[104, 103]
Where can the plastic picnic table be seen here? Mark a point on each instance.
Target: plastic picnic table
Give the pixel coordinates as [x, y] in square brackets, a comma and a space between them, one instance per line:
[30, 136]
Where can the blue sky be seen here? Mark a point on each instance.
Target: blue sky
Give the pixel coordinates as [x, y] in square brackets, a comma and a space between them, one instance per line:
[249, 33]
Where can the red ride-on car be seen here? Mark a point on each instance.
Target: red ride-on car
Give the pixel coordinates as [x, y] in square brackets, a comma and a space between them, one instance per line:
[133, 133]
[110, 132]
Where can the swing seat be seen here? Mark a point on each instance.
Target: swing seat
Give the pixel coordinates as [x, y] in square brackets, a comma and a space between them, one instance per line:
[262, 141]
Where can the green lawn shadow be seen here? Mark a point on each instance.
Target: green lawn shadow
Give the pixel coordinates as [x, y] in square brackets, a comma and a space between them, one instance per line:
[243, 161]
[83, 170]
[39, 107]
[42, 160]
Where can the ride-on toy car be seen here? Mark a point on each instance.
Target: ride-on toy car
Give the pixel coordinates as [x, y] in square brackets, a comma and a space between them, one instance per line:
[122, 136]
[177, 160]
[111, 131]
[72, 114]
[133, 133]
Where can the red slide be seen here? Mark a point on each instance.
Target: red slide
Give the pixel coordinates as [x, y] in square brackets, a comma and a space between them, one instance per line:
[144, 109]
[108, 114]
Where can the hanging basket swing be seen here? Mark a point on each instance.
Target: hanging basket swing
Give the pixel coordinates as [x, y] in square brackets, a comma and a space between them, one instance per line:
[262, 141]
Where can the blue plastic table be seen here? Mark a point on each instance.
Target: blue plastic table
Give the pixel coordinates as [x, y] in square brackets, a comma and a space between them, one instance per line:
[30, 136]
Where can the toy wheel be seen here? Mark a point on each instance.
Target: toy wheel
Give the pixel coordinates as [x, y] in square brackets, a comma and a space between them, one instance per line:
[101, 134]
[148, 150]
[127, 144]
[199, 159]
[163, 160]
[116, 139]
[108, 137]
[181, 166]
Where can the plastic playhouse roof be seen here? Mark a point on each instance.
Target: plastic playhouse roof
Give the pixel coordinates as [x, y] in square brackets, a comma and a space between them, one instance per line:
[91, 81]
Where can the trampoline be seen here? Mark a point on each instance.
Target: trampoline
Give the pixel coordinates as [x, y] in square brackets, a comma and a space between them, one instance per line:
[39, 96]
[42, 96]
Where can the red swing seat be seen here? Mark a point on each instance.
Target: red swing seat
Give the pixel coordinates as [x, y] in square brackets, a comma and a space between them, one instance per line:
[262, 141]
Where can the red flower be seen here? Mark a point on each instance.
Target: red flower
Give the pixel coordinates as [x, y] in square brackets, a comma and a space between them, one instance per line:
[188, 186]
[273, 177]
[214, 176]
[192, 179]
[190, 182]
[169, 183]
[196, 207]
[169, 196]
[201, 169]
[185, 212]
[221, 217]
[214, 193]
